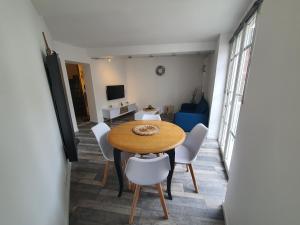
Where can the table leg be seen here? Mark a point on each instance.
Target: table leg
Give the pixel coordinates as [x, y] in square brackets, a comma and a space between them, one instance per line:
[117, 160]
[171, 154]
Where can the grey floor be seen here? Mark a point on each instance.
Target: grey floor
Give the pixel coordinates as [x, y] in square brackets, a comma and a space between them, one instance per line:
[91, 204]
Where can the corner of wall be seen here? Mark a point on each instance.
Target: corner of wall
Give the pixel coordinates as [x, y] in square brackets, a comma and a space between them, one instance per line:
[67, 190]
[217, 85]
[226, 221]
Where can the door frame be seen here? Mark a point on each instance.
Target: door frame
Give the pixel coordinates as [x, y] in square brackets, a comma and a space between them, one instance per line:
[89, 91]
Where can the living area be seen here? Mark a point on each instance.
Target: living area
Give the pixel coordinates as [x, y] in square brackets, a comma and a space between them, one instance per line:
[176, 84]
[177, 121]
[136, 82]
[172, 88]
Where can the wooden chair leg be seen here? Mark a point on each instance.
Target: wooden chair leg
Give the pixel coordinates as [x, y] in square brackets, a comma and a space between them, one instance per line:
[134, 203]
[123, 163]
[193, 177]
[133, 187]
[162, 200]
[187, 168]
[129, 185]
[105, 174]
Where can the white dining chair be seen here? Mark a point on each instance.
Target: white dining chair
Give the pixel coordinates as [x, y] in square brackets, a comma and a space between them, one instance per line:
[188, 151]
[150, 117]
[144, 172]
[138, 115]
[145, 116]
[100, 131]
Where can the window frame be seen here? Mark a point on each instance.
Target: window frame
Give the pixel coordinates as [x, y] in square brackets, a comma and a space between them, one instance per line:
[228, 129]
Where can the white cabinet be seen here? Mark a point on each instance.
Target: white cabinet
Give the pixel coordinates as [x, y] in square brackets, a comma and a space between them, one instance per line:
[116, 111]
[132, 107]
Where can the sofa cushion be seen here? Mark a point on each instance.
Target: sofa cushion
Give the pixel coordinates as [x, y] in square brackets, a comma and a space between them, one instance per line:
[188, 107]
[202, 106]
[188, 111]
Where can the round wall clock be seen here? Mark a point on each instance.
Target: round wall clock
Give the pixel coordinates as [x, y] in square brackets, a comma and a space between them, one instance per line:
[160, 70]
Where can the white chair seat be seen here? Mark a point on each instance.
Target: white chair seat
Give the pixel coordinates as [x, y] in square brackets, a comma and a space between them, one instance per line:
[145, 116]
[138, 116]
[183, 155]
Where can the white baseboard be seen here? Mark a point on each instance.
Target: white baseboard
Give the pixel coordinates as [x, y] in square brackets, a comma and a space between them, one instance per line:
[67, 191]
[225, 216]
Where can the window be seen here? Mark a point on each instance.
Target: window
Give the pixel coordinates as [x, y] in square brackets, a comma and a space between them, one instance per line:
[239, 62]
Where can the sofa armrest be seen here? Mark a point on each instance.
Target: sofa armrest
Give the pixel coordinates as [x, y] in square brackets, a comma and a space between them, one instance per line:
[188, 120]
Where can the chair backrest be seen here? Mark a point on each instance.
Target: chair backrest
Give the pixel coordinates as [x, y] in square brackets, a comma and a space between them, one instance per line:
[138, 116]
[195, 139]
[100, 131]
[147, 171]
[151, 117]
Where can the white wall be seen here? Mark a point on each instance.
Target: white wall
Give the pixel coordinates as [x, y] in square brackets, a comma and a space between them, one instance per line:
[207, 76]
[264, 176]
[103, 73]
[176, 86]
[108, 73]
[183, 74]
[34, 172]
[212, 59]
[90, 92]
[217, 84]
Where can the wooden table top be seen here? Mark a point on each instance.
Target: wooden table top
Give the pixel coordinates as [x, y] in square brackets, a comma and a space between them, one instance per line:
[123, 138]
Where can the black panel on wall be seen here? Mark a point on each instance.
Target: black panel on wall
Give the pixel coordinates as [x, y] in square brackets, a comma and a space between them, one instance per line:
[63, 115]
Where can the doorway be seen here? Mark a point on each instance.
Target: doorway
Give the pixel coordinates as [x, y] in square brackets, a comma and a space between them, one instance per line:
[77, 82]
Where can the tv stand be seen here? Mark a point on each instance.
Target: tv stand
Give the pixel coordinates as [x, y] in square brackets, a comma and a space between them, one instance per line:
[116, 111]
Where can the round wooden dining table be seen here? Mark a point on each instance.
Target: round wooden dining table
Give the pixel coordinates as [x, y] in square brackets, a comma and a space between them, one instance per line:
[123, 139]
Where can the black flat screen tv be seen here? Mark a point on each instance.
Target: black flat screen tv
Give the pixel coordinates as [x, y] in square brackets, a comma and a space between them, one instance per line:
[115, 92]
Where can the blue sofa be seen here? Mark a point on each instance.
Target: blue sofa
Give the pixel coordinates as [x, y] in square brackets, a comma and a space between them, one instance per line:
[192, 114]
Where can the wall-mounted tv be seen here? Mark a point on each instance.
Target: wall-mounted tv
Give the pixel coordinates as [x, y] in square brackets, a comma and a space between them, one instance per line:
[115, 92]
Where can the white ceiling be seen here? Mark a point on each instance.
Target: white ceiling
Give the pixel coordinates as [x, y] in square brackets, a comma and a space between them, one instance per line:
[108, 23]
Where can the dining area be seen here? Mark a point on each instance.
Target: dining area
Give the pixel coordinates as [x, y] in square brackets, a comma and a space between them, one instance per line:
[139, 159]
